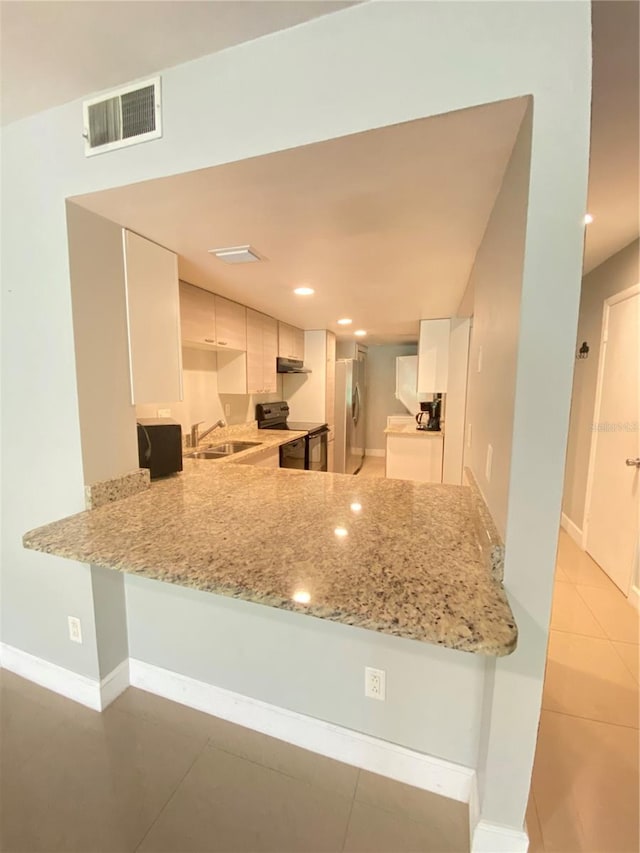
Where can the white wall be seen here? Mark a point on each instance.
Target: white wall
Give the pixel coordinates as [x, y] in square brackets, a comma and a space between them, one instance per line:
[369, 66]
[619, 272]
[496, 281]
[312, 666]
[306, 393]
[381, 390]
[202, 402]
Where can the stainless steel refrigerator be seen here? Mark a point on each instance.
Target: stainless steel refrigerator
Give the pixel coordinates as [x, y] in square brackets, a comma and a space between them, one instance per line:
[350, 413]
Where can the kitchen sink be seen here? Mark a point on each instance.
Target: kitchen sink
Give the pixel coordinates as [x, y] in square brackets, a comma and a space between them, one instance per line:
[219, 451]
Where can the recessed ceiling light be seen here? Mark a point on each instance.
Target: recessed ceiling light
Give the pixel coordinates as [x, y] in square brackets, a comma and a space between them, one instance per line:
[360, 333]
[236, 255]
[346, 321]
[304, 291]
[356, 507]
[301, 596]
[588, 219]
[340, 532]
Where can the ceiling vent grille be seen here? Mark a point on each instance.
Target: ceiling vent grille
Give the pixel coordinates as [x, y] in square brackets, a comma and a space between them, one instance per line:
[123, 117]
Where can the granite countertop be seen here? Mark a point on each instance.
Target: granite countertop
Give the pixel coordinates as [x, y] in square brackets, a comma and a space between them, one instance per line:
[394, 556]
[410, 431]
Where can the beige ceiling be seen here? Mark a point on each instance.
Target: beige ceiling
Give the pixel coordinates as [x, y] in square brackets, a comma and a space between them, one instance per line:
[54, 52]
[384, 225]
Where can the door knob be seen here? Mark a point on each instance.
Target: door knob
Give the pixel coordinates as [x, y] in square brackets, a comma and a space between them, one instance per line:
[633, 463]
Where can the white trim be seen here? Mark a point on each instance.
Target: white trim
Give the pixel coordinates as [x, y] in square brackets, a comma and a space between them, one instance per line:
[80, 688]
[374, 452]
[573, 530]
[351, 747]
[495, 838]
[634, 596]
[114, 683]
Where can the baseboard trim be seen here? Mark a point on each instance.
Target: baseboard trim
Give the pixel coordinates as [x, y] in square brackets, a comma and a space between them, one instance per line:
[351, 747]
[495, 838]
[113, 684]
[86, 691]
[573, 530]
[374, 452]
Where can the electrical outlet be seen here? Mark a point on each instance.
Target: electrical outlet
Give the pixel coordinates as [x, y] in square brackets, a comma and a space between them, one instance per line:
[469, 435]
[75, 629]
[227, 409]
[487, 469]
[375, 686]
[164, 413]
[479, 359]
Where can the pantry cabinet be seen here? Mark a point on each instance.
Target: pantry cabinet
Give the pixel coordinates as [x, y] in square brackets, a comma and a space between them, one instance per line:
[252, 372]
[290, 342]
[210, 321]
[433, 356]
[153, 321]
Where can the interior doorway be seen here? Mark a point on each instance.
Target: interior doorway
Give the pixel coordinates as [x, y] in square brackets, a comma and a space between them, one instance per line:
[612, 520]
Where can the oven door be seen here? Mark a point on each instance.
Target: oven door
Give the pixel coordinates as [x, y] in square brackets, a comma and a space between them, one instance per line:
[317, 451]
[292, 454]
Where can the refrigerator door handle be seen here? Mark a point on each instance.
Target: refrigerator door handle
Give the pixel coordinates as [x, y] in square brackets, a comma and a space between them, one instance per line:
[356, 405]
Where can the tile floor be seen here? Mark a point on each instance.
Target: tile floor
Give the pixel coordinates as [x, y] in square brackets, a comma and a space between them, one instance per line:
[584, 796]
[149, 775]
[373, 466]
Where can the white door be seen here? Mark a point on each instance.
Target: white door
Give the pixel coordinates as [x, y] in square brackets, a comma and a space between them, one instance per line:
[614, 476]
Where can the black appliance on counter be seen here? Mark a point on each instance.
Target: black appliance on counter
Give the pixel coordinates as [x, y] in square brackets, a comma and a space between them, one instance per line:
[307, 453]
[159, 446]
[432, 410]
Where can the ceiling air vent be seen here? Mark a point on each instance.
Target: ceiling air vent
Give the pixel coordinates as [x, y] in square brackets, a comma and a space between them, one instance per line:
[123, 117]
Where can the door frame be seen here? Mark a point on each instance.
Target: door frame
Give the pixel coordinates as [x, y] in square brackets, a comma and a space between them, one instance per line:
[622, 296]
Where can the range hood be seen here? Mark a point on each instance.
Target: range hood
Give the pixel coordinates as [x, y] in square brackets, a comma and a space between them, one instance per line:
[291, 365]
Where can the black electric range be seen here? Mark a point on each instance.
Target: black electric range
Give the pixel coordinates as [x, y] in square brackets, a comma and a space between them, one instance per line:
[309, 452]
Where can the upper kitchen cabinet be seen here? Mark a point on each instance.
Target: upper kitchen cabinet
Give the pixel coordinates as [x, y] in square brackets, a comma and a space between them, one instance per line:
[153, 319]
[290, 342]
[210, 321]
[253, 372]
[433, 356]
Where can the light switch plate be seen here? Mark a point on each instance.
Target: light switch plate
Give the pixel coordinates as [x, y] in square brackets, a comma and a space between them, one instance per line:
[164, 413]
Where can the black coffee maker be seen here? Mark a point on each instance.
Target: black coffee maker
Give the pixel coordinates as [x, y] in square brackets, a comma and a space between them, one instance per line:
[429, 415]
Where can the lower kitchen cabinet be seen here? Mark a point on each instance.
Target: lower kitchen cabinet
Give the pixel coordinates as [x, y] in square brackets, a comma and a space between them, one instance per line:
[415, 457]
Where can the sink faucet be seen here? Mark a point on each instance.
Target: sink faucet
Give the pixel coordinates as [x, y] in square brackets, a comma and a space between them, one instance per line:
[196, 437]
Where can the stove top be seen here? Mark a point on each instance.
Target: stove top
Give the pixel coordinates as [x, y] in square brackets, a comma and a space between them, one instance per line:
[274, 416]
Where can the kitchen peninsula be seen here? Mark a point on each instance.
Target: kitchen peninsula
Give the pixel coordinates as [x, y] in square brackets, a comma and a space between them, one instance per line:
[397, 557]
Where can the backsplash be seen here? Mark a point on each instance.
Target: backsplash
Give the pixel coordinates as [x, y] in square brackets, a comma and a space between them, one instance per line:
[201, 399]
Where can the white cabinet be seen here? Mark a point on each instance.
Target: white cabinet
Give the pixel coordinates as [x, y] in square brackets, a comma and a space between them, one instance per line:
[433, 356]
[153, 321]
[210, 321]
[414, 457]
[253, 372]
[290, 341]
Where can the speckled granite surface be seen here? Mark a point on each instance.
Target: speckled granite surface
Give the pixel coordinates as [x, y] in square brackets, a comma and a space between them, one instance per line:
[410, 431]
[106, 491]
[386, 555]
[489, 539]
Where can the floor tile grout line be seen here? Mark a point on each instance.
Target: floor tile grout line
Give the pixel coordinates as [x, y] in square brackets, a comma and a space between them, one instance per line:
[590, 719]
[281, 772]
[169, 798]
[626, 665]
[353, 802]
